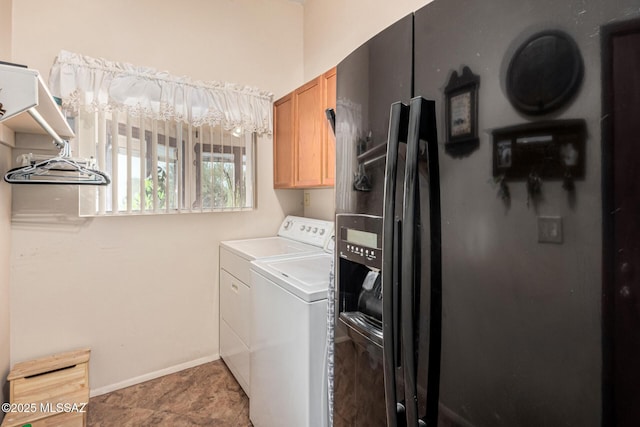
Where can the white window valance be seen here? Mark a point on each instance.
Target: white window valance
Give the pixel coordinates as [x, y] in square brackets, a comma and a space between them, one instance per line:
[97, 84]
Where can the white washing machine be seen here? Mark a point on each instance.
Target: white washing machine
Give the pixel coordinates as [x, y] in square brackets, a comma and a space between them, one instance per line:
[296, 237]
[289, 335]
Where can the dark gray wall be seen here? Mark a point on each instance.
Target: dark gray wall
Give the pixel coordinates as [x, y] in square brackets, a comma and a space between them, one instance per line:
[522, 319]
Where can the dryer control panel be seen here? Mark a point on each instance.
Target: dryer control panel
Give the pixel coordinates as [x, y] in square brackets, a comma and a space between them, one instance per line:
[306, 230]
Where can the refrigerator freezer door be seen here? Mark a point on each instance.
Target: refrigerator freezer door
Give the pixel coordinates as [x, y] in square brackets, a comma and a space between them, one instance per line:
[369, 80]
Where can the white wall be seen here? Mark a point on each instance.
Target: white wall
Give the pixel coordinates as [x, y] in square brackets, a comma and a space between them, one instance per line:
[332, 30]
[5, 215]
[142, 292]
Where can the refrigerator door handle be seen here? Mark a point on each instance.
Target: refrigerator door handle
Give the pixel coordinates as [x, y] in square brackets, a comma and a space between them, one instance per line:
[435, 262]
[421, 128]
[390, 249]
[409, 281]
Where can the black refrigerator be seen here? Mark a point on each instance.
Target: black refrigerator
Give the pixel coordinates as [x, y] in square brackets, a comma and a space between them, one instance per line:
[468, 269]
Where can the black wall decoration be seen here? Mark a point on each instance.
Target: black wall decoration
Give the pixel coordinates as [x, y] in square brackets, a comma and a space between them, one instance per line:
[461, 110]
[543, 76]
[544, 73]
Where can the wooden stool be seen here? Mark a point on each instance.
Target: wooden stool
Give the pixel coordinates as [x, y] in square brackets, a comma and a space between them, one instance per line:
[52, 391]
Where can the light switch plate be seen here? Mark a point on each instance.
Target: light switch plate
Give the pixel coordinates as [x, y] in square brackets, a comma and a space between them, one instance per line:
[307, 199]
[550, 229]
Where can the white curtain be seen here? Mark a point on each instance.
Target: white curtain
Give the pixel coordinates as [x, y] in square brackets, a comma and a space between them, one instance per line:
[97, 84]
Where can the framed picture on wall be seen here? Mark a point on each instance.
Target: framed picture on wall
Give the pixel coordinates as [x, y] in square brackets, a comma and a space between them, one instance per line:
[461, 107]
[503, 155]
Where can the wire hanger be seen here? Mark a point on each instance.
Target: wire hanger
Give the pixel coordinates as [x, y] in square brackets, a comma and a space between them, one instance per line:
[62, 169]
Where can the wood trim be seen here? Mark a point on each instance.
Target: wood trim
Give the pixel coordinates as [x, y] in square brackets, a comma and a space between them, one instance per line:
[608, 34]
[608, 243]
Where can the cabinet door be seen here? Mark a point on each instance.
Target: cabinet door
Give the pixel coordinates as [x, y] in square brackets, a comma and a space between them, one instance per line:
[329, 139]
[310, 122]
[283, 142]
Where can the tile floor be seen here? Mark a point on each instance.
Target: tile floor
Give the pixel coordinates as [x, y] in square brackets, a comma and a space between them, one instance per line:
[206, 395]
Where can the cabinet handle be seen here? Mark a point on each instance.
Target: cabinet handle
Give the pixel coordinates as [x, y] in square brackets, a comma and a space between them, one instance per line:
[234, 287]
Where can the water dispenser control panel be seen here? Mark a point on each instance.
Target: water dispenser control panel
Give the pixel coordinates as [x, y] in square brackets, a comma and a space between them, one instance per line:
[359, 239]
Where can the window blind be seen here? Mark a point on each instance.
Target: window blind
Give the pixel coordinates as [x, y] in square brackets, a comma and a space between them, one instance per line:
[165, 166]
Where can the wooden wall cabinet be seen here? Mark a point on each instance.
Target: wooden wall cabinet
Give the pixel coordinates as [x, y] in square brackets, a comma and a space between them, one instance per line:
[303, 141]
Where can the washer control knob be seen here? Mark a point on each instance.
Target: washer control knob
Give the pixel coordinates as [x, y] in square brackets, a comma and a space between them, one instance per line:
[315, 230]
[322, 231]
[287, 225]
[302, 228]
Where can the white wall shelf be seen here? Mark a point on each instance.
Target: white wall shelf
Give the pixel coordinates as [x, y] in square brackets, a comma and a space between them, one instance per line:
[30, 107]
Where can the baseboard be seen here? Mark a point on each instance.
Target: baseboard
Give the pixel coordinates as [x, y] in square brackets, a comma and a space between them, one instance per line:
[152, 375]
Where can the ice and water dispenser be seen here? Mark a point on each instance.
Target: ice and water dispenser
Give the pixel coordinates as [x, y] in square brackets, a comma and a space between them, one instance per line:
[359, 247]
[359, 380]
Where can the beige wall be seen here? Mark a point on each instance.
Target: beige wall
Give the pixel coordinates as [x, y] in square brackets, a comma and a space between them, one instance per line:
[5, 214]
[142, 292]
[5, 30]
[321, 204]
[5, 248]
[210, 40]
[332, 30]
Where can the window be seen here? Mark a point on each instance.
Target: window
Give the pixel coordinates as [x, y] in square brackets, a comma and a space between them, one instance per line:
[169, 143]
[221, 168]
[166, 167]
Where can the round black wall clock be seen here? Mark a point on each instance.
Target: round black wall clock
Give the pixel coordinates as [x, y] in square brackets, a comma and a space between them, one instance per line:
[544, 73]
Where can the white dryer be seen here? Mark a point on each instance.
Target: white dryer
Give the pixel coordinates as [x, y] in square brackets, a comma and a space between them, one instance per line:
[296, 237]
[289, 336]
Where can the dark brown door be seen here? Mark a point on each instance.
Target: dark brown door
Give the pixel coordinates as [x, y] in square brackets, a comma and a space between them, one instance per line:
[621, 196]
